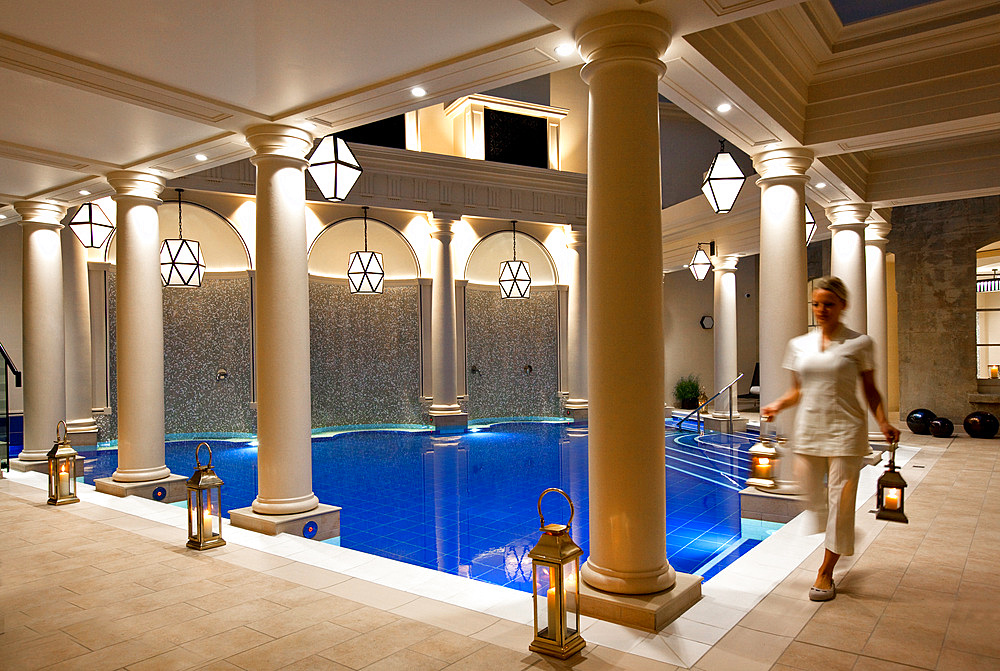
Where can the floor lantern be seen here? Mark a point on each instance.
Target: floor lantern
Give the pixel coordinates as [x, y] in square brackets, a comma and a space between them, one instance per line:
[555, 581]
[763, 464]
[889, 493]
[62, 469]
[204, 505]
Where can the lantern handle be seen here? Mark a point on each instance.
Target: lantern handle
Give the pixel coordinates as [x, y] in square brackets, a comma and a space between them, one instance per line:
[572, 510]
[61, 436]
[197, 450]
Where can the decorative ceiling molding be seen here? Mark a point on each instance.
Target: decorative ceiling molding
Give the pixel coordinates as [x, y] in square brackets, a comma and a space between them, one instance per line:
[61, 68]
[52, 159]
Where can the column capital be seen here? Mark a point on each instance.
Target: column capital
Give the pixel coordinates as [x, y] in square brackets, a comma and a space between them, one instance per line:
[877, 233]
[136, 184]
[443, 225]
[630, 35]
[275, 140]
[576, 237]
[40, 212]
[843, 215]
[726, 263]
[789, 163]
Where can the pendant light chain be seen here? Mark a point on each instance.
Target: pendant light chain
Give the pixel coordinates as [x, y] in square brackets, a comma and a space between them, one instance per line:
[513, 232]
[365, 210]
[180, 228]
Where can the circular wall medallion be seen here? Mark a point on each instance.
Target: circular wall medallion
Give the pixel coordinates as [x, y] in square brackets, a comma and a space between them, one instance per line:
[159, 494]
[310, 529]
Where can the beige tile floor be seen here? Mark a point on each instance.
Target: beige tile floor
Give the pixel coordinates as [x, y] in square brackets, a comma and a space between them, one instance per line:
[108, 584]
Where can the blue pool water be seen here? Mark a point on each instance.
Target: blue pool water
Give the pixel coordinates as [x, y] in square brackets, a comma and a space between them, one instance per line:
[466, 504]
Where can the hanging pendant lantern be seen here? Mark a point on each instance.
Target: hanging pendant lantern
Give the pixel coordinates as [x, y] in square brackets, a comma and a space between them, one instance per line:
[515, 281]
[333, 167]
[810, 225]
[701, 262]
[723, 181]
[91, 225]
[181, 262]
[364, 269]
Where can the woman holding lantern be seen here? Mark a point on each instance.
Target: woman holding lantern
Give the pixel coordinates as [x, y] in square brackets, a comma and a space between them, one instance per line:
[831, 432]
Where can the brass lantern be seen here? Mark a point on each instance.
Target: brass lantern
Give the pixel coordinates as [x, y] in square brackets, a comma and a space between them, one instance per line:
[62, 469]
[889, 495]
[204, 505]
[555, 581]
[763, 464]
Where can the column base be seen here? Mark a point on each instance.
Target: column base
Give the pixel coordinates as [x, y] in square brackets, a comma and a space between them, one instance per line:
[83, 437]
[768, 506]
[721, 424]
[166, 490]
[450, 422]
[650, 612]
[21, 466]
[578, 415]
[320, 523]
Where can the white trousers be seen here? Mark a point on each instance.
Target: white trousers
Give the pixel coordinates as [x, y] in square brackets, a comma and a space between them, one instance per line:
[832, 504]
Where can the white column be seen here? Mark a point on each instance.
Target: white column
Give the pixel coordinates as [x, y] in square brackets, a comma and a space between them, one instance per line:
[443, 338]
[847, 259]
[139, 331]
[76, 305]
[783, 278]
[876, 239]
[576, 337]
[622, 51]
[726, 333]
[42, 334]
[284, 410]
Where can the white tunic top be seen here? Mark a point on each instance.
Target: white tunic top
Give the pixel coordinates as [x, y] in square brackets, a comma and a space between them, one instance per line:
[831, 421]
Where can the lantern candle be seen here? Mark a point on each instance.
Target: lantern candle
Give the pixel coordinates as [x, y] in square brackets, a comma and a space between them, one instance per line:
[63, 482]
[764, 467]
[553, 610]
[994, 371]
[891, 498]
[208, 523]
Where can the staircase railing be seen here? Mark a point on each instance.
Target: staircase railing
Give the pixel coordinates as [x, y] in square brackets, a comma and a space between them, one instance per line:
[697, 411]
[4, 407]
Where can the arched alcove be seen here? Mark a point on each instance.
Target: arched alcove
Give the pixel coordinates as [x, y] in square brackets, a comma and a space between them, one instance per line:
[222, 246]
[483, 266]
[988, 311]
[330, 250]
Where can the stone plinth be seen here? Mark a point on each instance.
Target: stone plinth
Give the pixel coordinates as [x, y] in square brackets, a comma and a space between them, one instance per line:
[650, 612]
[721, 424]
[17, 464]
[767, 506]
[166, 490]
[320, 523]
[577, 415]
[82, 439]
[456, 422]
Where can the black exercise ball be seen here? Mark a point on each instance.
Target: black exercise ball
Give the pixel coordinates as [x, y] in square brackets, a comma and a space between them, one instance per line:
[941, 427]
[981, 424]
[919, 421]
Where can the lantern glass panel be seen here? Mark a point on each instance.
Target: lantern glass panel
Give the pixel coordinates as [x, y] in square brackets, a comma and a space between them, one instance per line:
[365, 272]
[515, 281]
[547, 617]
[181, 263]
[892, 498]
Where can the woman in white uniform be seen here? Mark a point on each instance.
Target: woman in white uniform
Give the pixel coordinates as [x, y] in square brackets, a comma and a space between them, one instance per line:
[831, 432]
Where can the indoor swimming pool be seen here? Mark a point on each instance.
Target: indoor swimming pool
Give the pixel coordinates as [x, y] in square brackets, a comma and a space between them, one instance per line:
[466, 504]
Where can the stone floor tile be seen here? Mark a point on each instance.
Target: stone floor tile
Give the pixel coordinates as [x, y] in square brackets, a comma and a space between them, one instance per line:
[446, 616]
[175, 659]
[835, 636]
[931, 608]
[315, 663]
[407, 660]
[906, 642]
[370, 594]
[281, 652]
[599, 658]
[780, 615]
[226, 643]
[956, 660]
[495, 658]
[42, 652]
[365, 619]
[507, 634]
[875, 664]
[447, 646]
[932, 576]
[254, 559]
[116, 656]
[744, 649]
[325, 609]
[805, 656]
[308, 576]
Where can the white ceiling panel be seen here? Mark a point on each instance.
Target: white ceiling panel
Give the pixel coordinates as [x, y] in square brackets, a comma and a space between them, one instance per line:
[21, 179]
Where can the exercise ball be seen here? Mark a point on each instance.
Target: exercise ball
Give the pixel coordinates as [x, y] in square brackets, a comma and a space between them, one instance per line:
[919, 421]
[981, 424]
[941, 427]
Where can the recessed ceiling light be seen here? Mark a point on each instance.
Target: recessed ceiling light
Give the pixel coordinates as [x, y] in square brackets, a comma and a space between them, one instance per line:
[820, 185]
[3, 216]
[84, 192]
[418, 91]
[564, 49]
[200, 157]
[723, 108]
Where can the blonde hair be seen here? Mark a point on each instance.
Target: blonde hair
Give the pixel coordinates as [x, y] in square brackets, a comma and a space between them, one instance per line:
[834, 285]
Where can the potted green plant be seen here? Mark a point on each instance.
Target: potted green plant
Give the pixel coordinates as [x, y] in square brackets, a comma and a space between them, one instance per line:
[687, 390]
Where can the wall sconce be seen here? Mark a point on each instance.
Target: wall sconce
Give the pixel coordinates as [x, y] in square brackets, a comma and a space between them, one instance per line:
[181, 262]
[515, 281]
[204, 505]
[555, 582]
[889, 493]
[91, 225]
[723, 181]
[62, 469]
[810, 225]
[334, 169]
[364, 269]
[701, 263]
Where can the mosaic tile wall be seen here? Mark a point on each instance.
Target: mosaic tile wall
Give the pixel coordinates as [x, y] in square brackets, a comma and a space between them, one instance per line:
[365, 353]
[502, 337]
[205, 330]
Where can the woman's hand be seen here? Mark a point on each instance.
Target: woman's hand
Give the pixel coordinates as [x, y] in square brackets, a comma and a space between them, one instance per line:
[890, 432]
[770, 411]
